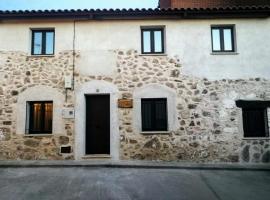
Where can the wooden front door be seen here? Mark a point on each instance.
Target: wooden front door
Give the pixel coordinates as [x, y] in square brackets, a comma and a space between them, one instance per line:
[97, 124]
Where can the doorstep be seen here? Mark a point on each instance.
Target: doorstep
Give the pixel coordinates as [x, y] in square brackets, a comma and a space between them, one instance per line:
[96, 156]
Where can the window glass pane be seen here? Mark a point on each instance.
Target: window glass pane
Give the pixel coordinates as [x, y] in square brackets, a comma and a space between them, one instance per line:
[40, 117]
[146, 115]
[48, 110]
[37, 42]
[49, 42]
[216, 39]
[228, 40]
[254, 122]
[154, 114]
[158, 41]
[146, 42]
[36, 117]
[161, 114]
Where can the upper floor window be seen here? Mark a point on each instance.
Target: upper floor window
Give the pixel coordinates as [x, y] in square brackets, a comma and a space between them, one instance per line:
[154, 114]
[223, 39]
[255, 118]
[42, 42]
[39, 117]
[152, 40]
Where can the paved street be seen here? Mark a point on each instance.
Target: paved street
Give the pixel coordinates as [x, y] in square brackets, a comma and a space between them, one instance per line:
[125, 183]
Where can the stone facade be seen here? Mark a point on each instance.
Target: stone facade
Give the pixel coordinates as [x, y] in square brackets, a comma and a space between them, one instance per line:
[209, 122]
[208, 128]
[18, 72]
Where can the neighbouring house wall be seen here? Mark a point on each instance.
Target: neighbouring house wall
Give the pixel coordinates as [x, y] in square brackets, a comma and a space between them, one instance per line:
[210, 3]
[207, 125]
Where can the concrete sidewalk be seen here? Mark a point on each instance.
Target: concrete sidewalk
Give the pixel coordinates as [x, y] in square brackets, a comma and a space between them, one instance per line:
[95, 183]
[135, 164]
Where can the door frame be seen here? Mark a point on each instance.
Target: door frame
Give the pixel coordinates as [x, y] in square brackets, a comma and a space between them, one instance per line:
[94, 95]
[96, 87]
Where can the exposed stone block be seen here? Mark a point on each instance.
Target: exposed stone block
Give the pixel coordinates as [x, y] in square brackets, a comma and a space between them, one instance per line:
[32, 143]
[14, 92]
[7, 122]
[153, 143]
[266, 157]
[63, 140]
[245, 154]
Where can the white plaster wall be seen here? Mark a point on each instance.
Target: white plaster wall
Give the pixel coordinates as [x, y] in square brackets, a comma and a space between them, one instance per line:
[17, 36]
[102, 38]
[96, 62]
[95, 87]
[155, 91]
[189, 39]
[34, 94]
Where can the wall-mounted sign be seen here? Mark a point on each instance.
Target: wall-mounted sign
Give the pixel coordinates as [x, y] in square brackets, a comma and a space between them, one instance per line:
[125, 103]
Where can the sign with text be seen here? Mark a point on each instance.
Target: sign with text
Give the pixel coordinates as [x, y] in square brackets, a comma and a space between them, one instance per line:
[125, 103]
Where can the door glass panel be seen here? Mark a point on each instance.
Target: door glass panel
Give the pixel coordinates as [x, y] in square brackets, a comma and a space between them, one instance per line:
[146, 41]
[216, 39]
[228, 40]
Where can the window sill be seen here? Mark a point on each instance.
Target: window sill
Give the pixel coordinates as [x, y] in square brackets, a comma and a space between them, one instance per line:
[224, 53]
[257, 138]
[40, 56]
[38, 135]
[155, 132]
[154, 54]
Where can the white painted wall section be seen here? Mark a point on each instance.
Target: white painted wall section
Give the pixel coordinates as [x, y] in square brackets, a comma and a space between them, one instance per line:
[189, 39]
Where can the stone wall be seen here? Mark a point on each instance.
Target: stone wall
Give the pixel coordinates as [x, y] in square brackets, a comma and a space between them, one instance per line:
[208, 128]
[209, 122]
[18, 72]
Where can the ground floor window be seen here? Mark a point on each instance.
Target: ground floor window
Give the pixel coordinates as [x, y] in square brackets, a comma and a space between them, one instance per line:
[255, 118]
[154, 114]
[39, 117]
[255, 122]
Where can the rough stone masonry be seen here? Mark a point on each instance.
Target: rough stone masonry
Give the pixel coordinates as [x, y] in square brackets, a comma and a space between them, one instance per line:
[209, 125]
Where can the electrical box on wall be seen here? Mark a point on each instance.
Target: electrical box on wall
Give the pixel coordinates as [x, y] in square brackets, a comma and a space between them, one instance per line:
[68, 82]
[68, 113]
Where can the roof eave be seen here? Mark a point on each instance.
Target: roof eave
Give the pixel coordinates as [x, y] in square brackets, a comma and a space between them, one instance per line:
[139, 14]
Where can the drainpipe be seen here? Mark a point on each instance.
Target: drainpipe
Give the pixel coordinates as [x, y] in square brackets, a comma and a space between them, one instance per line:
[73, 54]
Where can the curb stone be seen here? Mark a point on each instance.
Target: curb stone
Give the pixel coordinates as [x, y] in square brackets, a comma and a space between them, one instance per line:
[134, 164]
